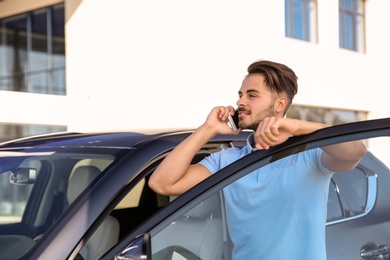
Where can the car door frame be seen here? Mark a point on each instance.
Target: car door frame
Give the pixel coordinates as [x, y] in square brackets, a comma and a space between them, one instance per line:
[327, 136]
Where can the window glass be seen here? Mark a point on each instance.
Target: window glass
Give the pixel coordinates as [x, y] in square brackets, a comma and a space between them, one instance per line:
[300, 19]
[348, 194]
[331, 116]
[39, 52]
[33, 48]
[334, 208]
[353, 191]
[52, 173]
[58, 49]
[38, 185]
[352, 24]
[13, 47]
[13, 198]
[351, 194]
[138, 204]
[200, 233]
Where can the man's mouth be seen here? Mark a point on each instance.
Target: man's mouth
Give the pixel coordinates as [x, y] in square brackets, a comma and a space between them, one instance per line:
[243, 112]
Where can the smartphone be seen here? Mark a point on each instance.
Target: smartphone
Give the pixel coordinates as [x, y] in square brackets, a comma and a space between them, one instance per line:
[233, 121]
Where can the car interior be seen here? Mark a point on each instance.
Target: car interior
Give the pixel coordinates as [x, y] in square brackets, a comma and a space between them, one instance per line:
[108, 232]
[196, 235]
[57, 183]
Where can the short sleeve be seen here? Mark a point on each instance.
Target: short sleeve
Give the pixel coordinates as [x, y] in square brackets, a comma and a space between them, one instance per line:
[211, 162]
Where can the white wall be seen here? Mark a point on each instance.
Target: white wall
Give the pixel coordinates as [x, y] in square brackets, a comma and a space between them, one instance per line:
[165, 64]
[28, 108]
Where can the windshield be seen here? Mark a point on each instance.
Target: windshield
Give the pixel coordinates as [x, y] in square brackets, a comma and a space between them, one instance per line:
[37, 186]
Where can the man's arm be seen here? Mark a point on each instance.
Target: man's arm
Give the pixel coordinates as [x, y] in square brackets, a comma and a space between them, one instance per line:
[343, 157]
[340, 157]
[175, 174]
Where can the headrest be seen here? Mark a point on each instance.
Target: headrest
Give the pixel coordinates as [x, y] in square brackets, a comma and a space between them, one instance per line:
[79, 179]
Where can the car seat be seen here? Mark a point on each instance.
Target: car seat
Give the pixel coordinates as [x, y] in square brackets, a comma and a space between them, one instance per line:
[108, 232]
[198, 234]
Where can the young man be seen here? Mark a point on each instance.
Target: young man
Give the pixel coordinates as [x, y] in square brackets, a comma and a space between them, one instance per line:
[278, 211]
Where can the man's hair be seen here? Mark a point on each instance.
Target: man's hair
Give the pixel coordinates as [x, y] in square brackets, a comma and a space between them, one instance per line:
[278, 77]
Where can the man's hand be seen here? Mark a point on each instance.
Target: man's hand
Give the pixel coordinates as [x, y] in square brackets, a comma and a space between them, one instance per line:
[217, 120]
[273, 130]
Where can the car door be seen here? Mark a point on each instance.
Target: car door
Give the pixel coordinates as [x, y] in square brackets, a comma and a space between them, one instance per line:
[358, 210]
[193, 226]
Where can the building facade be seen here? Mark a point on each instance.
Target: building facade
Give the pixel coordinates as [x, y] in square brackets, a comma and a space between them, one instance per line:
[93, 65]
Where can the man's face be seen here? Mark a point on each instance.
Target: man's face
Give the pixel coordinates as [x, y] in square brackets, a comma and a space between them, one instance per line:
[256, 101]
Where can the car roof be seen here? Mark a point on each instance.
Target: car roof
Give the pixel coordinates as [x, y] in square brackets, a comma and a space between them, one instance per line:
[103, 139]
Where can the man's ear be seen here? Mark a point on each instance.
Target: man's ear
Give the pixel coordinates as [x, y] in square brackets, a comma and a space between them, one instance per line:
[280, 104]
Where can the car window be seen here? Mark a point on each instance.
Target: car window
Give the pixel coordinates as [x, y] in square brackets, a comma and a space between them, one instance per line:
[199, 233]
[36, 187]
[350, 190]
[353, 194]
[205, 230]
[186, 234]
[132, 199]
[14, 193]
[137, 204]
[334, 207]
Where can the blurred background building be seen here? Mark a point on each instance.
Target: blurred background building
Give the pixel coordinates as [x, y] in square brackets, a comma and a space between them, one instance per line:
[94, 65]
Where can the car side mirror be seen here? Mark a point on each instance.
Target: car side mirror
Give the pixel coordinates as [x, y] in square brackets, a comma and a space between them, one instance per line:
[23, 176]
[139, 248]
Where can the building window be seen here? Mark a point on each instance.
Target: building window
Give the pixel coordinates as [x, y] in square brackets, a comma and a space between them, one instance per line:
[32, 51]
[301, 19]
[330, 116]
[352, 24]
[13, 131]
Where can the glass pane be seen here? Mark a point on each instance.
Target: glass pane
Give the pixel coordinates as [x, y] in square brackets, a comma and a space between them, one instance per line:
[353, 191]
[348, 4]
[287, 18]
[198, 234]
[38, 82]
[325, 115]
[5, 54]
[39, 41]
[14, 46]
[37, 186]
[33, 48]
[334, 207]
[13, 198]
[298, 19]
[58, 50]
[348, 32]
[58, 35]
[280, 201]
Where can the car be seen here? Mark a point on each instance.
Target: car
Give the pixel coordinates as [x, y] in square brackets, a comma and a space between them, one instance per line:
[85, 196]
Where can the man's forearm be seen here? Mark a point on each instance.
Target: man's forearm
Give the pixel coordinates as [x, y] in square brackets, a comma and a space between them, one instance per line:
[339, 157]
[177, 163]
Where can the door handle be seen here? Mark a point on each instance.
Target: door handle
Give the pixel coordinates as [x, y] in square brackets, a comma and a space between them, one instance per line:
[371, 251]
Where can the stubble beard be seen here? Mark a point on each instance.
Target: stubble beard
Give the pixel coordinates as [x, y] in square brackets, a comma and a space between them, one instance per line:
[268, 112]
